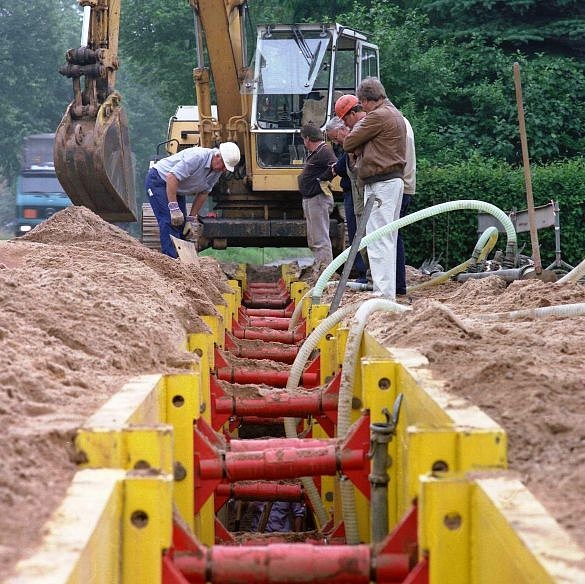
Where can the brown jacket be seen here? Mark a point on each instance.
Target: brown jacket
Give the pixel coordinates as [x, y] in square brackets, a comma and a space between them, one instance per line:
[381, 136]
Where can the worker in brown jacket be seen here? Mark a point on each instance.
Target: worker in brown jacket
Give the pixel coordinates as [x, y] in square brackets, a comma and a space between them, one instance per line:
[379, 140]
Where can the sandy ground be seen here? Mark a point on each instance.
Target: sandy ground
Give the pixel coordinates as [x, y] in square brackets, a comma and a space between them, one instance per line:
[84, 307]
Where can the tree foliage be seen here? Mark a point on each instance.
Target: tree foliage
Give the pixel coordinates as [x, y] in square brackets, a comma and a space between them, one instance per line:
[34, 36]
[447, 64]
[460, 96]
[552, 26]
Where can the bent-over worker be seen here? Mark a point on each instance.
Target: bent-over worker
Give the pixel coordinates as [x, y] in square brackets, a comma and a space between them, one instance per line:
[193, 171]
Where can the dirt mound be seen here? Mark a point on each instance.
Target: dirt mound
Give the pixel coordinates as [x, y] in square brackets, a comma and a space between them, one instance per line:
[83, 308]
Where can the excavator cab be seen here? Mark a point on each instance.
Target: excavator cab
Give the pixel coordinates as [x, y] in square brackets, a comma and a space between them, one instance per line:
[92, 154]
[299, 72]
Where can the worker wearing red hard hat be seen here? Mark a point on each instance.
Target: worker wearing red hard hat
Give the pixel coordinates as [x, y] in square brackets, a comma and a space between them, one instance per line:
[379, 140]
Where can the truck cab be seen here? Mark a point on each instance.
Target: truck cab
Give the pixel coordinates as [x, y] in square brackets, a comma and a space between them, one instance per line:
[39, 193]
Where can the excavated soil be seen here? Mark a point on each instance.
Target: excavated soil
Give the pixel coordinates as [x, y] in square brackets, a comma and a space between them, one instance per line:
[84, 307]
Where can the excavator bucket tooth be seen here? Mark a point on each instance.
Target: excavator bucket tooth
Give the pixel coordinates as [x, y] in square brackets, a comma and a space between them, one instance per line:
[94, 162]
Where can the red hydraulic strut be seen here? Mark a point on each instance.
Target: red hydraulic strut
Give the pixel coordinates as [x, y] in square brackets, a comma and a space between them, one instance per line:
[226, 372]
[266, 376]
[284, 353]
[393, 561]
[257, 491]
[273, 322]
[287, 311]
[281, 459]
[263, 334]
[319, 403]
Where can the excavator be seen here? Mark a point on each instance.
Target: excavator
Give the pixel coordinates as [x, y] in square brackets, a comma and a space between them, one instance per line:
[296, 74]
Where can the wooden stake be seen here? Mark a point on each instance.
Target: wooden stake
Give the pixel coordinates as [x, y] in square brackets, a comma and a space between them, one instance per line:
[527, 175]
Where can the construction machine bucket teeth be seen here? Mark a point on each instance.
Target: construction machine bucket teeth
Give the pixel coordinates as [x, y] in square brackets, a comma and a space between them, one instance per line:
[94, 162]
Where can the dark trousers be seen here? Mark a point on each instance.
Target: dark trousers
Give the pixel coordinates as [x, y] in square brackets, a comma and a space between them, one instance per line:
[351, 223]
[156, 189]
[400, 260]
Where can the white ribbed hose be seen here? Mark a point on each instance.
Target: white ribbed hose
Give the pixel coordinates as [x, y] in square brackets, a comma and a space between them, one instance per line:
[294, 378]
[350, 363]
[575, 274]
[413, 218]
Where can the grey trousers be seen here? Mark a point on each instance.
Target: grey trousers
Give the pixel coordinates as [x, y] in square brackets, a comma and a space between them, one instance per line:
[317, 210]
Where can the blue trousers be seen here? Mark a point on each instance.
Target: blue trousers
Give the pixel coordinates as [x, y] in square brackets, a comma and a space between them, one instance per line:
[400, 259]
[351, 222]
[156, 189]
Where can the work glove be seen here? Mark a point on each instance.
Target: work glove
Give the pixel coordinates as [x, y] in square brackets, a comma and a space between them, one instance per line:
[177, 217]
[326, 187]
[191, 229]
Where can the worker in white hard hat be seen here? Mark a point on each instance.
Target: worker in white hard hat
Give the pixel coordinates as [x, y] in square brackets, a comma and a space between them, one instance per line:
[192, 171]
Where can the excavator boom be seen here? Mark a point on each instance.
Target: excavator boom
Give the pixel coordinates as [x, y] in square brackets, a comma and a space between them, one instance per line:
[92, 154]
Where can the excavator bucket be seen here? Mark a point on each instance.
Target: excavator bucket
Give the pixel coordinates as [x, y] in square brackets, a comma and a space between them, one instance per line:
[94, 162]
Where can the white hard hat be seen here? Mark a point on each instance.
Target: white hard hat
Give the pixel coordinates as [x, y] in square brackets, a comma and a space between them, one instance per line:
[230, 154]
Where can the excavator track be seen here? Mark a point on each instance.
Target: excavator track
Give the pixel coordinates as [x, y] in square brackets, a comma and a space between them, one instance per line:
[150, 229]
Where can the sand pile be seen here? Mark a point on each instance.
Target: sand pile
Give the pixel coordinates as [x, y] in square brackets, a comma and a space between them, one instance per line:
[83, 307]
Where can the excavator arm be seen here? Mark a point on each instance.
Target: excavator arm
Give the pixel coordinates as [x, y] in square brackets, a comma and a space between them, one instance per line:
[92, 154]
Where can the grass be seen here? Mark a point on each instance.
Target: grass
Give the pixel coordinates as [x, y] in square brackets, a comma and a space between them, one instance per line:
[257, 256]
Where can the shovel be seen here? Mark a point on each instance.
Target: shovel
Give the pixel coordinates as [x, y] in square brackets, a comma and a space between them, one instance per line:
[187, 250]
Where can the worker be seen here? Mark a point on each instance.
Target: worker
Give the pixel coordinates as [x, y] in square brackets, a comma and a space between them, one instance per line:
[194, 171]
[409, 191]
[276, 516]
[349, 109]
[336, 131]
[317, 197]
[379, 139]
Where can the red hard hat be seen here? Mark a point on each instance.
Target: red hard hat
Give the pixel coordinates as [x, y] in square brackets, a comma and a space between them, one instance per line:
[344, 104]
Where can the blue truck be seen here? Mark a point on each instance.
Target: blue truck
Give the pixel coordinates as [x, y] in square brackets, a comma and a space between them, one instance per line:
[38, 191]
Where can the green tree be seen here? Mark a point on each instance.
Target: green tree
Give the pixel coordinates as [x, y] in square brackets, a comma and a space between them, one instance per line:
[552, 26]
[34, 36]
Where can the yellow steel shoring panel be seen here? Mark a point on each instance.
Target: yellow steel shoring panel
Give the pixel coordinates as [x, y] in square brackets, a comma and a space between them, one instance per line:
[135, 447]
[235, 285]
[183, 405]
[487, 528]
[429, 435]
[202, 345]
[225, 317]
[82, 541]
[230, 309]
[297, 291]
[138, 402]
[215, 323]
[444, 529]
[317, 313]
[147, 525]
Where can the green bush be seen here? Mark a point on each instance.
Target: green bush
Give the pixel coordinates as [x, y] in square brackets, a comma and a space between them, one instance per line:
[452, 236]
